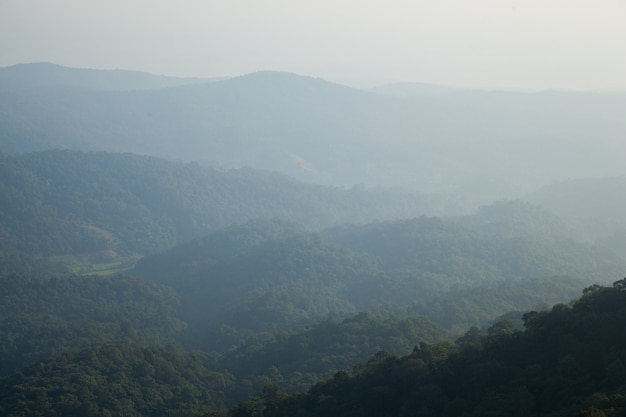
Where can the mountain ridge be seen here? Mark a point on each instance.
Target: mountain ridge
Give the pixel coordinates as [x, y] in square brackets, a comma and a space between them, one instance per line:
[474, 145]
[30, 75]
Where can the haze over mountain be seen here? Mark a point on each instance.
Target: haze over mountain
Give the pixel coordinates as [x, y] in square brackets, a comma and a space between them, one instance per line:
[72, 203]
[480, 44]
[471, 144]
[355, 208]
[413, 90]
[28, 76]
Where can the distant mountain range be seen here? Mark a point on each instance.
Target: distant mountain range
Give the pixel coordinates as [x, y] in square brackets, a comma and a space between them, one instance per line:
[413, 90]
[142, 216]
[28, 76]
[474, 145]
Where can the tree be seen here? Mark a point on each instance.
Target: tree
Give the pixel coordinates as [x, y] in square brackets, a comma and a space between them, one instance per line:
[591, 412]
[502, 327]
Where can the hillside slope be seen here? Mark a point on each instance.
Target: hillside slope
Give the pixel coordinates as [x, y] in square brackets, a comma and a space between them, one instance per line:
[568, 362]
[70, 203]
[268, 275]
[476, 145]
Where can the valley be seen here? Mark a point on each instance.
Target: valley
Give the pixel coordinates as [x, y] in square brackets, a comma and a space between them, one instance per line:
[274, 244]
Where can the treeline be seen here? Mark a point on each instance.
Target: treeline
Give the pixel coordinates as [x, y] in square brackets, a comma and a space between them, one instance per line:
[295, 360]
[67, 203]
[58, 205]
[272, 275]
[126, 377]
[243, 285]
[569, 361]
[232, 307]
[448, 247]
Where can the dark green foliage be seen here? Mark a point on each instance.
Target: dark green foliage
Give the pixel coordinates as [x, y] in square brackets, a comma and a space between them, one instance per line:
[274, 303]
[116, 380]
[569, 361]
[302, 358]
[262, 276]
[591, 412]
[224, 245]
[461, 308]
[270, 275]
[43, 316]
[61, 202]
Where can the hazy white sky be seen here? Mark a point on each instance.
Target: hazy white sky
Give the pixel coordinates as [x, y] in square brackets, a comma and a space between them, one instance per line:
[532, 44]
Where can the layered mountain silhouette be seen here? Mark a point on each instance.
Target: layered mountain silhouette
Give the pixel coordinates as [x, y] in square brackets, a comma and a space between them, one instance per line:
[474, 144]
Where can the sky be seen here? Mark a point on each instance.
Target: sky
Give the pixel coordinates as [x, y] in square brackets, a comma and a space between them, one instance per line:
[493, 44]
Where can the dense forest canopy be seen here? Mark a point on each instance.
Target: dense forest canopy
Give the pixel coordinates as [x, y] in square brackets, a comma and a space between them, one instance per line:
[568, 361]
[43, 316]
[65, 202]
[280, 274]
[264, 269]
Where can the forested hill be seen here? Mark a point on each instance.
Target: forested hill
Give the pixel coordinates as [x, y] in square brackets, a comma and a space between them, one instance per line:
[568, 362]
[44, 316]
[265, 275]
[474, 145]
[596, 206]
[474, 254]
[67, 202]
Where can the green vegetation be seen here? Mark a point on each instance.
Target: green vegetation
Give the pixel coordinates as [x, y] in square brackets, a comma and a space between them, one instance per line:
[241, 290]
[115, 380]
[137, 286]
[446, 247]
[43, 316]
[62, 203]
[257, 299]
[296, 360]
[271, 275]
[102, 263]
[569, 361]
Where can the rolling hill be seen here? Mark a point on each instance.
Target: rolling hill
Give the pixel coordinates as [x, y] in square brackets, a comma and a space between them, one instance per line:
[474, 145]
[58, 203]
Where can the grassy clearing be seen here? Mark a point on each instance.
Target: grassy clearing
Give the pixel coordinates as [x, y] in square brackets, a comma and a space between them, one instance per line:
[96, 263]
